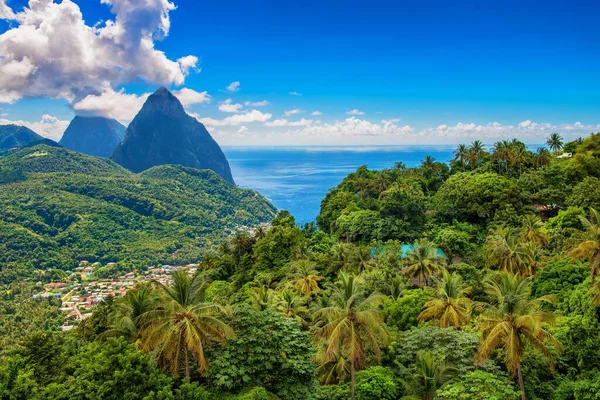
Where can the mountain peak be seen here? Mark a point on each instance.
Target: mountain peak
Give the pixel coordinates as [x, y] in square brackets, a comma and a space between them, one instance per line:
[163, 101]
[96, 136]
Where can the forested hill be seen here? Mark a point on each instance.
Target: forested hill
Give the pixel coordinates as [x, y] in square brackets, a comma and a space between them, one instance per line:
[59, 207]
[14, 136]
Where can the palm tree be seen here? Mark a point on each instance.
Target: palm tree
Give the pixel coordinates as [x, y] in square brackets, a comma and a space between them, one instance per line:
[519, 155]
[423, 261]
[513, 320]
[589, 248]
[534, 259]
[476, 153]
[125, 319]
[262, 297]
[340, 257]
[428, 377]
[460, 154]
[306, 278]
[534, 230]
[541, 158]
[363, 259]
[353, 325]
[451, 305]
[183, 326]
[503, 250]
[427, 162]
[555, 142]
[290, 306]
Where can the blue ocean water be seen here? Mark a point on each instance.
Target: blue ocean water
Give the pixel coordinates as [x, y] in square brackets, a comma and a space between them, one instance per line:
[297, 178]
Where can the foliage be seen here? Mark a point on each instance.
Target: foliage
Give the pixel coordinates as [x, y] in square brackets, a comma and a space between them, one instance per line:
[402, 314]
[477, 385]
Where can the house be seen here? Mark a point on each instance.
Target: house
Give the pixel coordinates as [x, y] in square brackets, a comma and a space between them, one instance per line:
[565, 155]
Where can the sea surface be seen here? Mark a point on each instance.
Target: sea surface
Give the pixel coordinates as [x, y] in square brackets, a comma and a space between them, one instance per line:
[297, 178]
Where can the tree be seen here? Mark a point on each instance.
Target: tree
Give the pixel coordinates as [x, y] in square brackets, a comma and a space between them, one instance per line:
[423, 261]
[268, 350]
[478, 385]
[306, 278]
[589, 248]
[402, 313]
[555, 142]
[542, 158]
[428, 376]
[353, 325]
[503, 250]
[460, 154]
[183, 326]
[534, 230]
[451, 305]
[513, 320]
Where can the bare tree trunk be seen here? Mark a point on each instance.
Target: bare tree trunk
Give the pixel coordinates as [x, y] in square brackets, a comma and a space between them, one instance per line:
[521, 383]
[352, 379]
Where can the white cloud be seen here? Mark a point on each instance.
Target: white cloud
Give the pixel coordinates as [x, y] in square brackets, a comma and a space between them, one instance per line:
[291, 112]
[261, 103]
[316, 113]
[51, 52]
[49, 126]
[293, 93]
[188, 96]
[238, 119]
[233, 86]
[355, 111]
[243, 129]
[284, 122]
[229, 106]
[112, 104]
[390, 121]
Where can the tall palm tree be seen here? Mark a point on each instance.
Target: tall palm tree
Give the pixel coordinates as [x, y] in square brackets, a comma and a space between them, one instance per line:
[501, 154]
[352, 325]
[262, 297]
[125, 319]
[542, 158]
[363, 259]
[428, 162]
[513, 320]
[306, 278]
[423, 262]
[340, 257]
[428, 377]
[519, 155]
[461, 153]
[534, 230]
[451, 305]
[290, 306]
[555, 142]
[589, 249]
[183, 326]
[476, 153]
[503, 250]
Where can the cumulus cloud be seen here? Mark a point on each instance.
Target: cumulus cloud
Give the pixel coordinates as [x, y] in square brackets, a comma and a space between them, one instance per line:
[238, 119]
[111, 104]
[49, 126]
[293, 111]
[293, 93]
[353, 126]
[233, 87]
[243, 129]
[355, 111]
[229, 106]
[261, 103]
[188, 97]
[316, 113]
[51, 52]
[285, 122]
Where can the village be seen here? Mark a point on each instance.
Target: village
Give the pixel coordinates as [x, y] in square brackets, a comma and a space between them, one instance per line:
[83, 288]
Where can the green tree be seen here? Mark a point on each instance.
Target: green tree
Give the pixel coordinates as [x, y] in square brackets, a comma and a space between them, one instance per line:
[183, 326]
[511, 320]
[478, 385]
[450, 305]
[428, 377]
[589, 248]
[352, 325]
[555, 142]
[402, 313]
[423, 262]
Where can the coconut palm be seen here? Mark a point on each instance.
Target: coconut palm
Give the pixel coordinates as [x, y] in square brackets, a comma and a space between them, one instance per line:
[262, 297]
[428, 162]
[555, 142]
[503, 251]
[363, 259]
[306, 278]
[534, 230]
[125, 319]
[352, 325]
[423, 262]
[541, 158]
[450, 305]
[290, 305]
[533, 260]
[183, 326]
[476, 153]
[589, 249]
[429, 376]
[340, 257]
[513, 320]
[461, 154]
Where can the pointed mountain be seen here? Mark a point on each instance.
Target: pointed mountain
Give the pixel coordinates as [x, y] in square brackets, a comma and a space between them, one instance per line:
[162, 133]
[96, 136]
[16, 136]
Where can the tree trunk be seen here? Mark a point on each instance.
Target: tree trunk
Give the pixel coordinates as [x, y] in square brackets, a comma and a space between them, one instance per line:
[521, 383]
[187, 366]
[352, 378]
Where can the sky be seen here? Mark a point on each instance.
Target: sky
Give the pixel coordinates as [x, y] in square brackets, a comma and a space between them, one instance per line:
[311, 72]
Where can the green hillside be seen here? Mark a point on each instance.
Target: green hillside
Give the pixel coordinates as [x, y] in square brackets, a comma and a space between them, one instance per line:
[89, 208]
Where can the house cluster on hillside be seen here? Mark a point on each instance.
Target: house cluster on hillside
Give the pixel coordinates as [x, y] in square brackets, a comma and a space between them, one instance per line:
[83, 289]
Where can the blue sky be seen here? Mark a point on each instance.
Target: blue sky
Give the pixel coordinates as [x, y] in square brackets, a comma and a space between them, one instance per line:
[413, 72]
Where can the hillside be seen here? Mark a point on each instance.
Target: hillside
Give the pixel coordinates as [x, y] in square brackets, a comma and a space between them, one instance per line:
[88, 208]
[15, 136]
[96, 136]
[162, 133]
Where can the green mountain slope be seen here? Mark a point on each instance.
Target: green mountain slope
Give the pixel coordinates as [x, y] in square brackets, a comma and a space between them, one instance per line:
[14, 136]
[91, 209]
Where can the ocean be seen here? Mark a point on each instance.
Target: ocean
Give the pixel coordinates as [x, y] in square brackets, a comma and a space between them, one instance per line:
[297, 178]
